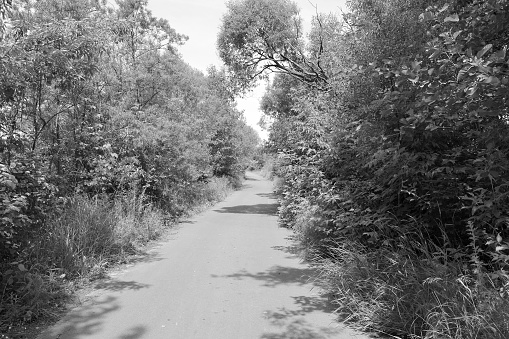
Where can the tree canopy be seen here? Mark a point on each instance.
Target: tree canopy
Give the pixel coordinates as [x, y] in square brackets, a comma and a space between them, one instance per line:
[258, 36]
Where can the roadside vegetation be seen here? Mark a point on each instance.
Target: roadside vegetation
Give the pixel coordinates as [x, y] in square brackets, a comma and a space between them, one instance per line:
[107, 137]
[390, 137]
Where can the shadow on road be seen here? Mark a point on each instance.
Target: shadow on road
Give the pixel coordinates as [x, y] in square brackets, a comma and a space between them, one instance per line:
[87, 321]
[144, 257]
[301, 329]
[187, 222]
[134, 333]
[117, 285]
[294, 250]
[267, 195]
[293, 325]
[304, 305]
[268, 209]
[276, 275]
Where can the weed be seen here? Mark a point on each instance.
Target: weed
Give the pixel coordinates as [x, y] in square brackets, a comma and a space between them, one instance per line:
[414, 294]
[82, 241]
[268, 168]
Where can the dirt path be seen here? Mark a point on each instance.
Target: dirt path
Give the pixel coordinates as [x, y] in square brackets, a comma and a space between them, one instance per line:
[230, 272]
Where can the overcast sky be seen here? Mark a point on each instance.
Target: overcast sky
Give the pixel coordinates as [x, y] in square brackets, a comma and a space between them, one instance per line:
[200, 21]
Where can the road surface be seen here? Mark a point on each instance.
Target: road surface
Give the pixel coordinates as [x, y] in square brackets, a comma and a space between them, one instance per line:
[228, 273]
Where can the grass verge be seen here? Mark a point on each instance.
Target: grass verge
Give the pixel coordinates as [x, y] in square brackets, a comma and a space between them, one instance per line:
[415, 294]
[89, 236]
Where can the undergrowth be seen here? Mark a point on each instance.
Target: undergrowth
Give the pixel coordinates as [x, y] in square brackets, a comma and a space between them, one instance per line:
[415, 290]
[88, 235]
[268, 168]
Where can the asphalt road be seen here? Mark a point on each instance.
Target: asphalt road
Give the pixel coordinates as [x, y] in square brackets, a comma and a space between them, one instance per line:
[229, 272]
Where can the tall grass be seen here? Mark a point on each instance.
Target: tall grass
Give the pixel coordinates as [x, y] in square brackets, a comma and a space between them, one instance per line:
[137, 220]
[93, 231]
[87, 236]
[268, 167]
[401, 283]
[216, 189]
[415, 294]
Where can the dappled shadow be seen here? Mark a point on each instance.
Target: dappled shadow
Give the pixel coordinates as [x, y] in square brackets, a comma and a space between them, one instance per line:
[145, 257]
[294, 250]
[134, 333]
[301, 329]
[87, 321]
[118, 285]
[294, 326]
[268, 209]
[267, 195]
[304, 305]
[276, 275]
[187, 222]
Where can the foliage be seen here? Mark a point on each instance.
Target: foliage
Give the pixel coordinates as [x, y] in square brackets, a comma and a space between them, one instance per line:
[106, 134]
[403, 153]
[260, 35]
[403, 292]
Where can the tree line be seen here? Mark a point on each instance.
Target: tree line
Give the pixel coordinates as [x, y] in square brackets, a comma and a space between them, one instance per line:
[106, 135]
[389, 127]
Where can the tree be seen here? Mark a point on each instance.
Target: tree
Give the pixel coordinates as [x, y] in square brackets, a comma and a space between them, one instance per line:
[4, 7]
[264, 35]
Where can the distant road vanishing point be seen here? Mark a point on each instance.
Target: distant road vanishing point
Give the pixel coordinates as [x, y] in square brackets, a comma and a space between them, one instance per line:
[228, 273]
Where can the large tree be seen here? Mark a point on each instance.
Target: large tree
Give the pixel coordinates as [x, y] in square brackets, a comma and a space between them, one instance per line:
[266, 35]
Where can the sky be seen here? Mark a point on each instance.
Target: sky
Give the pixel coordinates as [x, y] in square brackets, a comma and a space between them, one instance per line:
[200, 21]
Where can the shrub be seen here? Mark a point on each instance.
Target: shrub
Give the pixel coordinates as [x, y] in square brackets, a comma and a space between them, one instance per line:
[27, 292]
[80, 235]
[267, 169]
[216, 189]
[137, 220]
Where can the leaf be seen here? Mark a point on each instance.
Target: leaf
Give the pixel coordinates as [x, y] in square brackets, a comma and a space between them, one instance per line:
[499, 56]
[435, 54]
[484, 113]
[9, 184]
[471, 91]
[462, 73]
[493, 80]
[426, 16]
[483, 51]
[443, 9]
[416, 65]
[452, 18]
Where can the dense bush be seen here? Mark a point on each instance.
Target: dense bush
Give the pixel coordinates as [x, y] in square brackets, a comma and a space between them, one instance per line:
[393, 160]
[106, 134]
